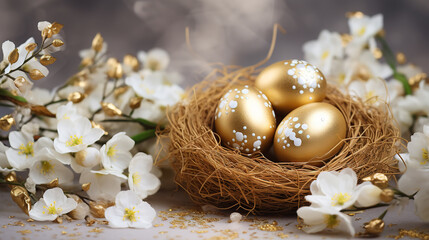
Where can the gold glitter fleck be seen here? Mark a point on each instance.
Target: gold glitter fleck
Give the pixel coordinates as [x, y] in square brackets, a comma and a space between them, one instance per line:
[270, 227]
[30, 220]
[63, 232]
[4, 226]
[23, 232]
[96, 230]
[282, 235]
[11, 216]
[163, 232]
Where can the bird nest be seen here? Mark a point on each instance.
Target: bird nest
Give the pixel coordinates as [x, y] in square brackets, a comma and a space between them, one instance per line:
[216, 175]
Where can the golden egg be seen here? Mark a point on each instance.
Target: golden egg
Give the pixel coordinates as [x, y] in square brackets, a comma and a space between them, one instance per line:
[291, 83]
[245, 119]
[312, 132]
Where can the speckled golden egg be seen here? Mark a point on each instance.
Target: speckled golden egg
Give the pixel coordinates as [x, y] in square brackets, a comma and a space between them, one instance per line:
[291, 83]
[312, 132]
[245, 119]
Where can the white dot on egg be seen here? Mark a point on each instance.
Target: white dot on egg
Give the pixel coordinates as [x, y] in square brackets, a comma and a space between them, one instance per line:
[278, 140]
[245, 91]
[264, 137]
[246, 86]
[288, 145]
[266, 104]
[284, 141]
[244, 127]
[293, 87]
[308, 136]
[291, 71]
[242, 144]
[245, 141]
[304, 86]
[254, 149]
[301, 91]
[236, 96]
[300, 131]
[259, 96]
[245, 136]
[258, 137]
[295, 119]
[304, 126]
[297, 125]
[247, 150]
[239, 136]
[233, 110]
[311, 89]
[253, 134]
[233, 139]
[233, 131]
[284, 147]
[310, 98]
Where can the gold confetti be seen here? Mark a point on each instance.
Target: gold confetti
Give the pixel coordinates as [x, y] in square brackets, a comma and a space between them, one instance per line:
[13, 56]
[23, 232]
[96, 230]
[86, 186]
[63, 232]
[47, 60]
[11, 217]
[30, 220]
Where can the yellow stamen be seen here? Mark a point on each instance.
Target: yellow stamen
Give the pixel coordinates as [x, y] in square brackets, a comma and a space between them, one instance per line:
[425, 156]
[325, 55]
[371, 97]
[46, 167]
[74, 141]
[136, 178]
[130, 214]
[27, 149]
[111, 151]
[52, 209]
[331, 221]
[340, 198]
[361, 31]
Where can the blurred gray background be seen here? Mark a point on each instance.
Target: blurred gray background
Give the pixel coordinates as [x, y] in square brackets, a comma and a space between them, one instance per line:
[230, 31]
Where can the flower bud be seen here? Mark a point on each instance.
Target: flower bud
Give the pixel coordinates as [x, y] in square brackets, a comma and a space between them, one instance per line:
[132, 62]
[57, 43]
[81, 210]
[135, 102]
[47, 60]
[36, 74]
[6, 122]
[13, 56]
[374, 227]
[97, 42]
[76, 97]
[387, 195]
[110, 110]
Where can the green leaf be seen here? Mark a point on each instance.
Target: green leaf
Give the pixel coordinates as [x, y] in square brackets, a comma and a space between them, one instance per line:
[145, 135]
[141, 121]
[9, 96]
[391, 61]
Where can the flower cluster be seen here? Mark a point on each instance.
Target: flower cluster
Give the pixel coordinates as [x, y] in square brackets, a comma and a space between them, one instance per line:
[331, 193]
[90, 127]
[353, 62]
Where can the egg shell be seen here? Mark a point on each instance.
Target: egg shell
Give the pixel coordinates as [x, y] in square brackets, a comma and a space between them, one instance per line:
[245, 119]
[292, 83]
[310, 133]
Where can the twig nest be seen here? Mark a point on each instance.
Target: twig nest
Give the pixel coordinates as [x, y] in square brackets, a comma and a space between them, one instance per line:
[213, 174]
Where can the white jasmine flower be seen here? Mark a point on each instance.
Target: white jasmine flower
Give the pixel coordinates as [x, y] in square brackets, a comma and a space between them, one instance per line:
[115, 154]
[414, 174]
[86, 159]
[156, 59]
[318, 219]
[322, 51]
[53, 204]
[68, 111]
[103, 187]
[22, 151]
[4, 163]
[363, 30]
[419, 123]
[366, 63]
[409, 70]
[75, 135]
[337, 190]
[8, 47]
[421, 200]
[418, 147]
[141, 180]
[373, 91]
[47, 167]
[51, 49]
[130, 211]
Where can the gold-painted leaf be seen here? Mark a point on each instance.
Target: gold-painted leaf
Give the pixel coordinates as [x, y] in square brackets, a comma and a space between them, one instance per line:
[21, 198]
[36, 74]
[55, 27]
[47, 60]
[76, 97]
[13, 56]
[41, 110]
[30, 47]
[57, 43]
[135, 102]
[110, 109]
